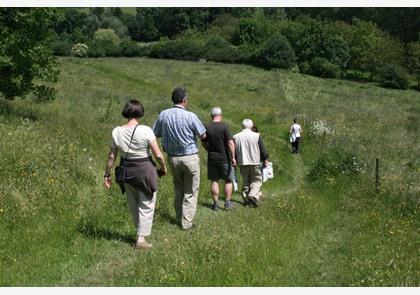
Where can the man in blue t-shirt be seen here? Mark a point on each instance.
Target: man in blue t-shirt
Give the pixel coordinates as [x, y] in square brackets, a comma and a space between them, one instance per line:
[178, 129]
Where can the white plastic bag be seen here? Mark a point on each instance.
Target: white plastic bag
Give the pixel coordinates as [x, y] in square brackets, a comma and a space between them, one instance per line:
[267, 172]
[235, 181]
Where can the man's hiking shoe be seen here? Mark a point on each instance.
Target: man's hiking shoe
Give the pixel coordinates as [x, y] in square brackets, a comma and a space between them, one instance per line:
[189, 229]
[253, 202]
[215, 207]
[245, 198]
[228, 205]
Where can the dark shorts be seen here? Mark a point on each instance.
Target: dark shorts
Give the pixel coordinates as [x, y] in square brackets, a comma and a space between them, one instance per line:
[217, 170]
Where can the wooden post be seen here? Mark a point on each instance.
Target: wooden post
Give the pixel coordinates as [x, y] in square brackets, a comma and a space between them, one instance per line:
[377, 175]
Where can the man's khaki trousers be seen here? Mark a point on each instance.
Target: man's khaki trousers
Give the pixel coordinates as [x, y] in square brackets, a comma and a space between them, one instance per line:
[251, 180]
[186, 176]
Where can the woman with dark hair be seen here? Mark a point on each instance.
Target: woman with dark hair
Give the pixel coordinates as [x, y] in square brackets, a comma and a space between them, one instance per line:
[134, 142]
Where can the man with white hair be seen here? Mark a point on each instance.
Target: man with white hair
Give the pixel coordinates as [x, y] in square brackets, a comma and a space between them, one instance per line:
[248, 160]
[221, 157]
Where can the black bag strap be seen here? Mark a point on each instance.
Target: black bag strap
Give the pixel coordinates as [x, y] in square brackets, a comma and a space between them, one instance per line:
[132, 135]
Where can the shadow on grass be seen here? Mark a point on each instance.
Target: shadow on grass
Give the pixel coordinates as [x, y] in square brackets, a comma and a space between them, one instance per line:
[208, 204]
[166, 217]
[8, 109]
[93, 232]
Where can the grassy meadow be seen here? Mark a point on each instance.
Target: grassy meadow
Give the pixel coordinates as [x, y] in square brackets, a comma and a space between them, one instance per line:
[320, 223]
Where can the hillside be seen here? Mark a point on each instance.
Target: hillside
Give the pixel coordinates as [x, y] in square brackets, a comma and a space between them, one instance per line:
[321, 223]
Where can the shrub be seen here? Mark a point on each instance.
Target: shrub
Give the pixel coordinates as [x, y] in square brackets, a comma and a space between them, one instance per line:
[219, 50]
[116, 24]
[79, 50]
[224, 25]
[61, 47]
[251, 31]
[393, 76]
[107, 35]
[276, 53]
[321, 67]
[102, 48]
[130, 48]
[145, 50]
[179, 49]
[217, 42]
[412, 56]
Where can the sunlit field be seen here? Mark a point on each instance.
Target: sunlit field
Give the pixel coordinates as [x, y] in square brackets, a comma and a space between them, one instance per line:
[321, 222]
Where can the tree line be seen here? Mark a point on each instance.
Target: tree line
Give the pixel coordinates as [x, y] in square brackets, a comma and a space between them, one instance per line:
[374, 44]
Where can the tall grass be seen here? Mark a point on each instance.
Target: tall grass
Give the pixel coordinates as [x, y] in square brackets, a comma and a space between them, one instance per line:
[59, 227]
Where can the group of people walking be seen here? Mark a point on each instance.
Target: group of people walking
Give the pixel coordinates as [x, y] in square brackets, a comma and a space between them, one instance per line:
[178, 130]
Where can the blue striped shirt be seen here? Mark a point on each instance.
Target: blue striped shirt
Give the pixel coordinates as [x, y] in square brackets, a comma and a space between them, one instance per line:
[178, 129]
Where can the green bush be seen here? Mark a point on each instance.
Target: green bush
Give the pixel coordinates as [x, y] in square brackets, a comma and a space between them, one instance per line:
[130, 48]
[252, 31]
[321, 67]
[393, 76]
[179, 49]
[61, 47]
[107, 35]
[276, 53]
[219, 50]
[116, 24]
[102, 48]
[224, 25]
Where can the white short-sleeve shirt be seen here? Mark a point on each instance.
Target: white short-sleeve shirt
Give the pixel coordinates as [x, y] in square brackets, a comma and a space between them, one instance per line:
[296, 129]
[139, 148]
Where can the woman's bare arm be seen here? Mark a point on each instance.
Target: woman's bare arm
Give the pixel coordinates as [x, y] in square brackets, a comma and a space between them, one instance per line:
[158, 156]
[109, 163]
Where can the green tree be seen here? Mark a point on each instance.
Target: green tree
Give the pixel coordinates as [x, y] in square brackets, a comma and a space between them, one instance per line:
[26, 62]
[90, 25]
[393, 76]
[275, 13]
[412, 56]
[253, 31]
[112, 22]
[172, 21]
[142, 27]
[365, 38]
[311, 40]
[276, 53]
[107, 35]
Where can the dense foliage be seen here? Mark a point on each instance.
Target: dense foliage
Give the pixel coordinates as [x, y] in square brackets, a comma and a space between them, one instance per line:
[276, 53]
[393, 76]
[355, 43]
[26, 62]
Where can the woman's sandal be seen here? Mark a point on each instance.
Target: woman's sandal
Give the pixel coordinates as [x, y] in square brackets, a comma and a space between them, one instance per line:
[143, 246]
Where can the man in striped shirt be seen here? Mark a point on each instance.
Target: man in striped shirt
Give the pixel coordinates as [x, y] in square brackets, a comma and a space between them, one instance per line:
[178, 129]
